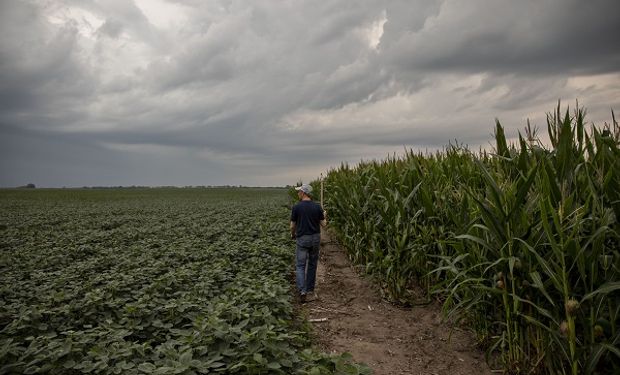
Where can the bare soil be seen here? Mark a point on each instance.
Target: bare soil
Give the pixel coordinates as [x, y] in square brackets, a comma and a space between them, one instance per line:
[390, 339]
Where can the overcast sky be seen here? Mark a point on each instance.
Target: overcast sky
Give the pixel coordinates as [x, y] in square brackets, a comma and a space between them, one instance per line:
[268, 92]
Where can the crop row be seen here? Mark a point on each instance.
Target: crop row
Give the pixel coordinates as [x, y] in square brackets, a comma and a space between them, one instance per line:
[522, 244]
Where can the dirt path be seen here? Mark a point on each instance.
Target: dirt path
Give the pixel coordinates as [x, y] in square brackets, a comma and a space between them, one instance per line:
[390, 339]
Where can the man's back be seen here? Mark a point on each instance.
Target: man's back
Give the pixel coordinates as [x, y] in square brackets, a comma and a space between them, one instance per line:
[307, 216]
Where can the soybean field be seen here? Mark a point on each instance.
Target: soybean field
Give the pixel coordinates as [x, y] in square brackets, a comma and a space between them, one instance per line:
[151, 281]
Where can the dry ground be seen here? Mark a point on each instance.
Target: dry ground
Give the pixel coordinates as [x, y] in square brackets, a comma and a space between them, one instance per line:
[390, 339]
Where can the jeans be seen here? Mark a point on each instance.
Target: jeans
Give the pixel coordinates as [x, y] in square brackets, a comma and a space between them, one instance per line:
[307, 258]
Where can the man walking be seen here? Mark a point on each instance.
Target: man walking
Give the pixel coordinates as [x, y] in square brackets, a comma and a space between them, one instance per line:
[307, 218]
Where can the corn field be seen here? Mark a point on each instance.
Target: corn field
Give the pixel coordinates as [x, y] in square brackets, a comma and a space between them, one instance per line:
[522, 244]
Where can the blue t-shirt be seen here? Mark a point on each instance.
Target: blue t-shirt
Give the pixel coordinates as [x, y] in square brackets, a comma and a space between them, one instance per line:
[307, 216]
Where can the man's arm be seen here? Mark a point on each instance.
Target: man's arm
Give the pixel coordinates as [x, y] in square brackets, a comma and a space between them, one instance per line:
[293, 228]
[324, 221]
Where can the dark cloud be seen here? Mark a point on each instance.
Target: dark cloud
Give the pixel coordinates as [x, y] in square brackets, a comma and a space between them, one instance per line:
[39, 71]
[526, 38]
[111, 28]
[185, 92]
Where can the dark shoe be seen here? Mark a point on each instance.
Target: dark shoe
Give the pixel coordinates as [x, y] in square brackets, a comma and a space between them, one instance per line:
[302, 297]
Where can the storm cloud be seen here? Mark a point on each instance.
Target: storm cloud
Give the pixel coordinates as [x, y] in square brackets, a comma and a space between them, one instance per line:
[184, 92]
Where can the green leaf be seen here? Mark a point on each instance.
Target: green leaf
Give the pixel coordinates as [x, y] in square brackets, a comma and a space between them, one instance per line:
[547, 267]
[604, 289]
[475, 239]
[259, 358]
[537, 282]
[186, 357]
[147, 367]
[595, 356]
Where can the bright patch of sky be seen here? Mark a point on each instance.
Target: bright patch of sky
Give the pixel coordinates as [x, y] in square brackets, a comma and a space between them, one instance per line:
[163, 14]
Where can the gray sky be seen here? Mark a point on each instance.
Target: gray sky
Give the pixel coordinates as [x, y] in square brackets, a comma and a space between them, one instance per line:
[208, 92]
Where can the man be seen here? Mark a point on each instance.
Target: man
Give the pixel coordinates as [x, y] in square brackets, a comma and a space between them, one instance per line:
[307, 218]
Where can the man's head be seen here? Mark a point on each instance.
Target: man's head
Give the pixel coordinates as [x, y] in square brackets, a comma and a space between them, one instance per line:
[304, 189]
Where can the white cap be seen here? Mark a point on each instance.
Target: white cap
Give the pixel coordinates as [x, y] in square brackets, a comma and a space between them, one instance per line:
[305, 188]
